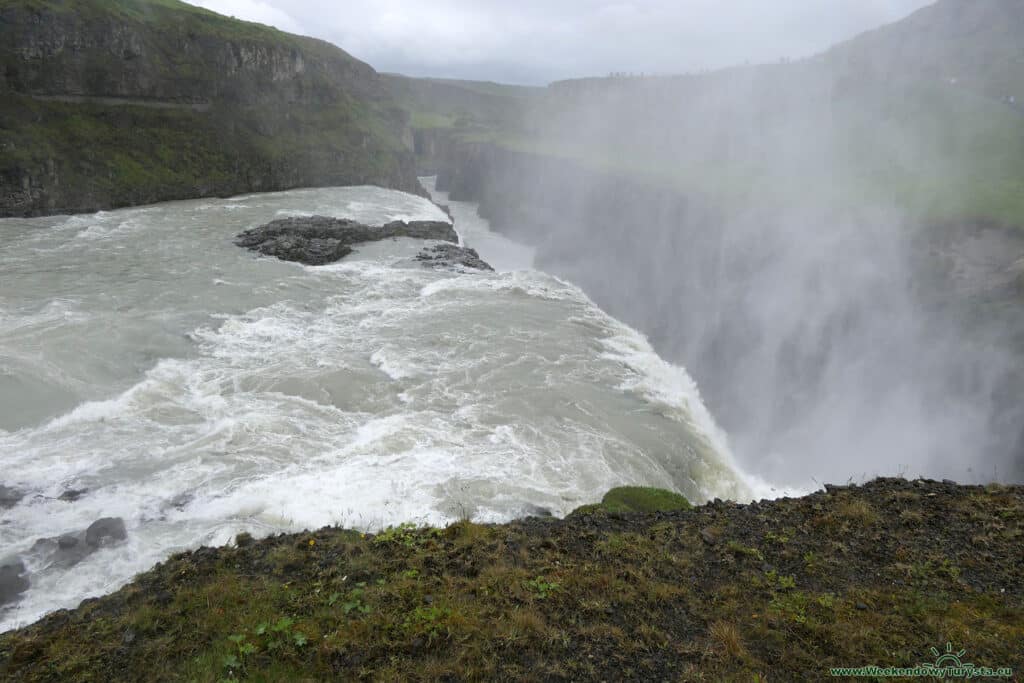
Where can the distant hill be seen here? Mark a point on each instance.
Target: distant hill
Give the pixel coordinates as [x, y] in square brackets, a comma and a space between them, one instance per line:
[925, 113]
[115, 102]
[978, 43]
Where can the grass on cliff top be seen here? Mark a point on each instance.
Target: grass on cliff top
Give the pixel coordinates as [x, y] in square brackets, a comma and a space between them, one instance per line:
[776, 591]
[637, 499]
[938, 153]
[123, 155]
[156, 11]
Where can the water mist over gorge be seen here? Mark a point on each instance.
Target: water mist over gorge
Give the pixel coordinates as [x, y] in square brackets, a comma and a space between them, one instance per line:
[817, 355]
[805, 238]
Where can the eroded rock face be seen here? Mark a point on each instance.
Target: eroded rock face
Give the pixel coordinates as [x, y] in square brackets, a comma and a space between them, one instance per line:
[452, 256]
[13, 579]
[118, 67]
[319, 240]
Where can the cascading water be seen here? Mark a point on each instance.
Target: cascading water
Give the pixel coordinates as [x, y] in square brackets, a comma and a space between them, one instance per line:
[197, 391]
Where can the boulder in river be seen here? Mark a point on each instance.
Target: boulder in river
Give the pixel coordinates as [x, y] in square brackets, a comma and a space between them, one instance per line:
[451, 256]
[319, 240]
[9, 497]
[104, 531]
[68, 550]
[72, 495]
[13, 579]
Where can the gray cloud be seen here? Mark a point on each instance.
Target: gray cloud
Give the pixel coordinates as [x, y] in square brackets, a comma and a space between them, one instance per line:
[535, 41]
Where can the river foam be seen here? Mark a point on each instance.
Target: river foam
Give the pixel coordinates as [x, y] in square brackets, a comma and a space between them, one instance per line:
[216, 392]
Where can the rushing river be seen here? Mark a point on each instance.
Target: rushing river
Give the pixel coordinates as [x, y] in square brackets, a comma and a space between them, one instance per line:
[198, 391]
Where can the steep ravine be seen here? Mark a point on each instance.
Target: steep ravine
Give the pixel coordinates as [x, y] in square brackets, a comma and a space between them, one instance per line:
[931, 325]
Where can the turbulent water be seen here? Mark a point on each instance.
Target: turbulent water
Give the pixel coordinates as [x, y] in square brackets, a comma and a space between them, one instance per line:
[198, 391]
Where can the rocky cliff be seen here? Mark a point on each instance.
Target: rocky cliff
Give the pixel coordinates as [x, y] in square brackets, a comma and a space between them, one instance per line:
[124, 102]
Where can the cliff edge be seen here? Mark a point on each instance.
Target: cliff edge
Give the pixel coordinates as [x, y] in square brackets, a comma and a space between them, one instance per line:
[788, 590]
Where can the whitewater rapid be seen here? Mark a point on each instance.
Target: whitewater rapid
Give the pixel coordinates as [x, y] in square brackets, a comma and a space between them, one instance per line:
[198, 391]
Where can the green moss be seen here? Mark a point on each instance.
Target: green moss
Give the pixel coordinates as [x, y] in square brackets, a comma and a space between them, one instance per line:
[637, 499]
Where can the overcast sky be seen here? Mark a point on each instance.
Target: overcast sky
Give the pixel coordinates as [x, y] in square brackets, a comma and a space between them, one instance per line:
[537, 41]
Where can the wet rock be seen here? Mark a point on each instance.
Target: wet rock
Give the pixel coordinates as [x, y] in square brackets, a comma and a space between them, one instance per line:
[13, 579]
[319, 240]
[67, 550]
[105, 531]
[71, 495]
[67, 542]
[63, 551]
[181, 500]
[452, 256]
[9, 497]
[531, 510]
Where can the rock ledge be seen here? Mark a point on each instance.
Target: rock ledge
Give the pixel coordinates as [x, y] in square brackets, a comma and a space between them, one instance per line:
[319, 240]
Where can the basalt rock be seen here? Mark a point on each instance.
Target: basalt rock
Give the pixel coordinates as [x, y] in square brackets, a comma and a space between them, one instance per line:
[68, 550]
[13, 579]
[452, 256]
[105, 531]
[9, 497]
[318, 240]
[72, 495]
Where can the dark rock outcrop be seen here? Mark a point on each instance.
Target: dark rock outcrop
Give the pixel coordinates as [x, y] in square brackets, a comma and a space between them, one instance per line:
[72, 495]
[104, 531]
[452, 256]
[9, 497]
[319, 240]
[13, 579]
[68, 550]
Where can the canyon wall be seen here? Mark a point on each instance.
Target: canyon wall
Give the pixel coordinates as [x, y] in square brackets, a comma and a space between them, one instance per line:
[871, 342]
[106, 104]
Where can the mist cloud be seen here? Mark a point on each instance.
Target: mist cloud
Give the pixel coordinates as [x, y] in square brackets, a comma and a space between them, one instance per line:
[534, 41]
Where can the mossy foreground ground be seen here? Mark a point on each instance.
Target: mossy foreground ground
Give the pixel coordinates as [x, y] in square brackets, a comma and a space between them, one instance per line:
[775, 591]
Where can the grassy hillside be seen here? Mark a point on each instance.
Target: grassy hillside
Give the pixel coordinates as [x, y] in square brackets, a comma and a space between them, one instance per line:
[976, 44]
[154, 10]
[132, 101]
[775, 591]
[467, 105]
[912, 115]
